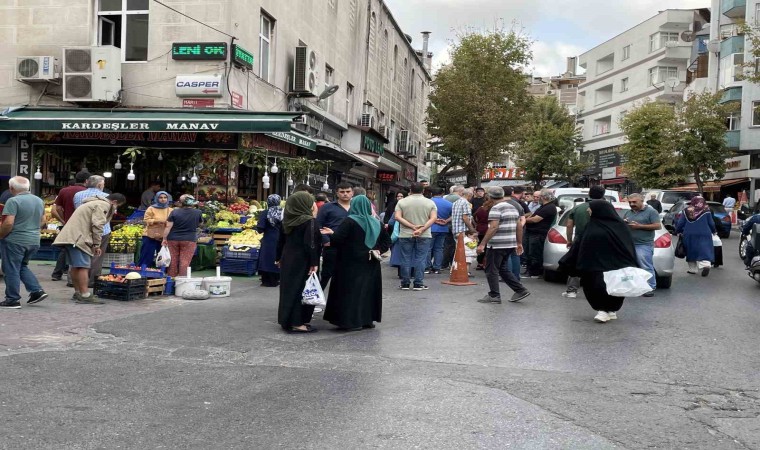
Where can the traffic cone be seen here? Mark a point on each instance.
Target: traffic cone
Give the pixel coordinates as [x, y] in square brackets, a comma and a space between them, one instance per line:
[459, 276]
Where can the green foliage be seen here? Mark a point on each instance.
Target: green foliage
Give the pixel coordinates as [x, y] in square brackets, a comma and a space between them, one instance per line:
[752, 43]
[478, 100]
[298, 168]
[549, 142]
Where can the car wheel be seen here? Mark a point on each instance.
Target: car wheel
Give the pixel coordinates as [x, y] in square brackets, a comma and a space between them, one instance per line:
[664, 282]
[743, 249]
[552, 276]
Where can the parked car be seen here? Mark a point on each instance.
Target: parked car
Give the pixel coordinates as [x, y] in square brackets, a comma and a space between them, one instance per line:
[669, 198]
[721, 216]
[566, 197]
[556, 247]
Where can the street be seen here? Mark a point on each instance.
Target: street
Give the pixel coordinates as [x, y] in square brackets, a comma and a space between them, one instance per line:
[679, 370]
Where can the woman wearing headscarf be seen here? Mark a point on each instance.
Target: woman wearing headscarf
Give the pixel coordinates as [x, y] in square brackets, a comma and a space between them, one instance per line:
[298, 251]
[697, 227]
[607, 244]
[269, 224]
[356, 293]
[155, 219]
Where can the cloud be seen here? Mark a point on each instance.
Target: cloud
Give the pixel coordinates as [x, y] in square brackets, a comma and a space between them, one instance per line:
[550, 58]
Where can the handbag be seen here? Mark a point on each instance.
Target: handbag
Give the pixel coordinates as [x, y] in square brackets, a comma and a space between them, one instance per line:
[396, 231]
[680, 248]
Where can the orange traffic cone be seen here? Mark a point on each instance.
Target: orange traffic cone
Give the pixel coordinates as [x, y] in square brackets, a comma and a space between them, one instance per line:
[459, 276]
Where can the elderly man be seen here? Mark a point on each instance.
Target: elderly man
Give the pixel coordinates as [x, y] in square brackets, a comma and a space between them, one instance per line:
[643, 221]
[536, 228]
[461, 215]
[95, 185]
[81, 240]
[63, 210]
[19, 241]
[654, 203]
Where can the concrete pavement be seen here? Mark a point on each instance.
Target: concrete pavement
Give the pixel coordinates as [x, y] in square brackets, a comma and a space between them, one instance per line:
[679, 370]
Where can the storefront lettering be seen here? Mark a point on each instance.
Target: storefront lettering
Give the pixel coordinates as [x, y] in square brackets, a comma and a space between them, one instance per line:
[192, 126]
[371, 145]
[23, 155]
[104, 126]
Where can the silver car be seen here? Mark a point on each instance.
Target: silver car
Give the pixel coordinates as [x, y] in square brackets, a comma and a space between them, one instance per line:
[556, 247]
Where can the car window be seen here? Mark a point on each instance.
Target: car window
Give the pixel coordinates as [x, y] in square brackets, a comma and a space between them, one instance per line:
[566, 202]
[673, 197]
[563, 220]
[717, 209]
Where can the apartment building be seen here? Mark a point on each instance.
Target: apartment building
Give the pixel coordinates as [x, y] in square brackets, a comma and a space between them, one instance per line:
[351, 85]
[563, 87]
[648, 61]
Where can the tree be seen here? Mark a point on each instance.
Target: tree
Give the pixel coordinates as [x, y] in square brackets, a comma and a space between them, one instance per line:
[479, 98]
[549, 143]
[752, 42]
[651, 158]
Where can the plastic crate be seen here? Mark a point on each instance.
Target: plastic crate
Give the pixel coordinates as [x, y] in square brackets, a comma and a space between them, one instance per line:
[137, 215]
[129, 290]
[243, 219]
[118, 258]
[142, 270]
[169, 287]
[239, 266]
[250, 254]
[47, 253]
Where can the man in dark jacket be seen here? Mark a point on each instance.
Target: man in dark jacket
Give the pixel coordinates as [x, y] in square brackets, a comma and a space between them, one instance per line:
[654, 203]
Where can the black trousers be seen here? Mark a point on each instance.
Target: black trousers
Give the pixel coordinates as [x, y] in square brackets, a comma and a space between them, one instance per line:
[329, 255]
[535, 251]
[595, 290]
[497, 265]
[449, 247]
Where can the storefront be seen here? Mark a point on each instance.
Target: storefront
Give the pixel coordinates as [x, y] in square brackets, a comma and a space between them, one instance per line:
[276, 147]
[605, 167]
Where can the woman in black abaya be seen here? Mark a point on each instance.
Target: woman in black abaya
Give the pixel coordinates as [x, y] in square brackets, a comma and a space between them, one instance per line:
[607, 244]
[298, 250]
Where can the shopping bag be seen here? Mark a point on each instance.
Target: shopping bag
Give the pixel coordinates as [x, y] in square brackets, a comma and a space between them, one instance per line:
[627, 282]
[312, 293]
[164, 258]
[716, 241]
[470, 247]
[680, 248]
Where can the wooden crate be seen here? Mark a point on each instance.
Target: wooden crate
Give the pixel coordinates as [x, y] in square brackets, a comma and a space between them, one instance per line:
[220, 239]
[155, 286]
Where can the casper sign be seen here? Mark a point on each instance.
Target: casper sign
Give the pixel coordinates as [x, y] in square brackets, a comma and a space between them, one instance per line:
[198, 86]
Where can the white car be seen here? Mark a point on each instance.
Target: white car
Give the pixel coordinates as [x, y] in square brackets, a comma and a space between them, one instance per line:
[555, 248]
[566, 197]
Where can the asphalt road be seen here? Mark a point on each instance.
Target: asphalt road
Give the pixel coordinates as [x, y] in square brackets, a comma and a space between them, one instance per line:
[680, 370]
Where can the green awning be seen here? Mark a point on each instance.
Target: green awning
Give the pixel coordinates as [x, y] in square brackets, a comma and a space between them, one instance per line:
[146, 120]
[295, 138]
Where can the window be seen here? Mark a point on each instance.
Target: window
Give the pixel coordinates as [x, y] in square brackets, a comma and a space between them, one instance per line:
[731, 68]
[624, 85]
[756, 114]
[626, 52]
[734, 121]
[327, 103]
[605, 64]
[124, 24]
[265, 45]
[395, 62]
[602, 126]
[623, 114]
[659, 40]
[603, 95]
[349, 101]
[660, 74]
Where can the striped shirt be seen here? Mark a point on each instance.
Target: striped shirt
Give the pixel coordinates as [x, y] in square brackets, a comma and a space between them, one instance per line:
[506, 235]
[460, 209]
[81, 196]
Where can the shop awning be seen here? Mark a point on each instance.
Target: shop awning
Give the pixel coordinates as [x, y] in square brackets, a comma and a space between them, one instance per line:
[295, 138]
[711, 186]
[145, 120]
[613, 181]
[386, 163]
[503, 183]
[338, 149]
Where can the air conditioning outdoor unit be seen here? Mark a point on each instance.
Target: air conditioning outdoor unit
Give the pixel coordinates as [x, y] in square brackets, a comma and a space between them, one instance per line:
[402, 145]
[91, 74]
[37, 68]
[305, 71]
[367, 120]
[382, 129]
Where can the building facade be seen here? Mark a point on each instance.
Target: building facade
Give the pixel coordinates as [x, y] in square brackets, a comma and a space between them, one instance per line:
[345, 68]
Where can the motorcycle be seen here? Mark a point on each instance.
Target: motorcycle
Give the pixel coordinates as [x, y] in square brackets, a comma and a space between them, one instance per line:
[743, 242]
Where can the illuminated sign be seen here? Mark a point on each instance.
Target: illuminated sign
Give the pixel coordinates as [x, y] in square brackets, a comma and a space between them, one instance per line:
[242, 57]
[199, 51]
[386, 176]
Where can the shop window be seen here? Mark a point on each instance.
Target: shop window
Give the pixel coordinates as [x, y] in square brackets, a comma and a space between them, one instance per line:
[266, 33]
[124, 24]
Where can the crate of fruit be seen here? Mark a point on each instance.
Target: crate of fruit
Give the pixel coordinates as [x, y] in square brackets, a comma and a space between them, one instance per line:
[118, 259]
[239, 266]
[144, 271]
[240, 252]
[117, 287]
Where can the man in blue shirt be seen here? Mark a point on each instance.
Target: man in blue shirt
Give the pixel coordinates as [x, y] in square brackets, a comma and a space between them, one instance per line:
[331, 215]
[440, 230]
[95, 185]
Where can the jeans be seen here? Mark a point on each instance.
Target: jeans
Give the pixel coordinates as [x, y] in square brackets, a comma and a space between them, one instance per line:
[514, 264]
[535, 251]
[148, 252]
[436, 249]
[15, 262]
[644, 255]
[413, 254]
[498, 264]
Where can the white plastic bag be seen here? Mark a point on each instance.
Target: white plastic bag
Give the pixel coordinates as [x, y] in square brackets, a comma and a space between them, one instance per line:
[716, 241]
[627, 282]
[470, 251]
[164, 258]
[312, 293]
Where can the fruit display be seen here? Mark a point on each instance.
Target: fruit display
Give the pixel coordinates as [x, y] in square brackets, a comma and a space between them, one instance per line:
[113, 278]
[48, 234]
[124, 238]
[228, 217]
[49, 219]
[247, 237]
[240, 207]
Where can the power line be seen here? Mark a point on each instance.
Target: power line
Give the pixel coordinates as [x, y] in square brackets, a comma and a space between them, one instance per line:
[194, 19]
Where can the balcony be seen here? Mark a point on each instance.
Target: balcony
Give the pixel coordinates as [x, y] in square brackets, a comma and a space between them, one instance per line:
[677, 52]
[734, 44]
[733, 139]
[735, 9]
[733, 94]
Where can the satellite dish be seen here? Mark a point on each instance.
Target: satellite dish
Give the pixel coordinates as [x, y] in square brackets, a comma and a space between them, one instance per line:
[672, 82]
[330, 90]
[688, 36]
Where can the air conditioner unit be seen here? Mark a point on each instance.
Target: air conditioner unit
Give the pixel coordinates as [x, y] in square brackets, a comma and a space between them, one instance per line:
[367, 120]
[37, 68]
[725, 34]
[305, 71]
[91, 74]
[382, 129]
[402, 143]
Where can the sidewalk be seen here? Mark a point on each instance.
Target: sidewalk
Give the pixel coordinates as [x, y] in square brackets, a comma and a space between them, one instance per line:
[58, 321]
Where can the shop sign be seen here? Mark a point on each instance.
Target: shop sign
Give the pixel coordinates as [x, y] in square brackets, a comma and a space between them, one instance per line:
[223, 141]
[372, 145]
[259, 140]
[198, 86]
[237, 100]
[738, 163]
[197, 102]
[295, 139]
[613, 172]
[24, 155]
[410, 173]
[459, 179]
[386, 176]
[597, 160]
[503, 173]
[199, 51]
[242, 57]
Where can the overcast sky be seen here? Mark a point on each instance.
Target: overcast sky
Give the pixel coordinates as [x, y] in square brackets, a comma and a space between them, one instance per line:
[560, 28]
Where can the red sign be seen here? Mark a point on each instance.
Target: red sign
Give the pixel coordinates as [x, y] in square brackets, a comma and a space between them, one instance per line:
[197, 102]
[386, 176]
[237, 100]
[502, 173]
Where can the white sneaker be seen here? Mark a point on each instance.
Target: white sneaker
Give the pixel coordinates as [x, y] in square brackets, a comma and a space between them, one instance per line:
[612, 315]
[569, 294]
[602, 317]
